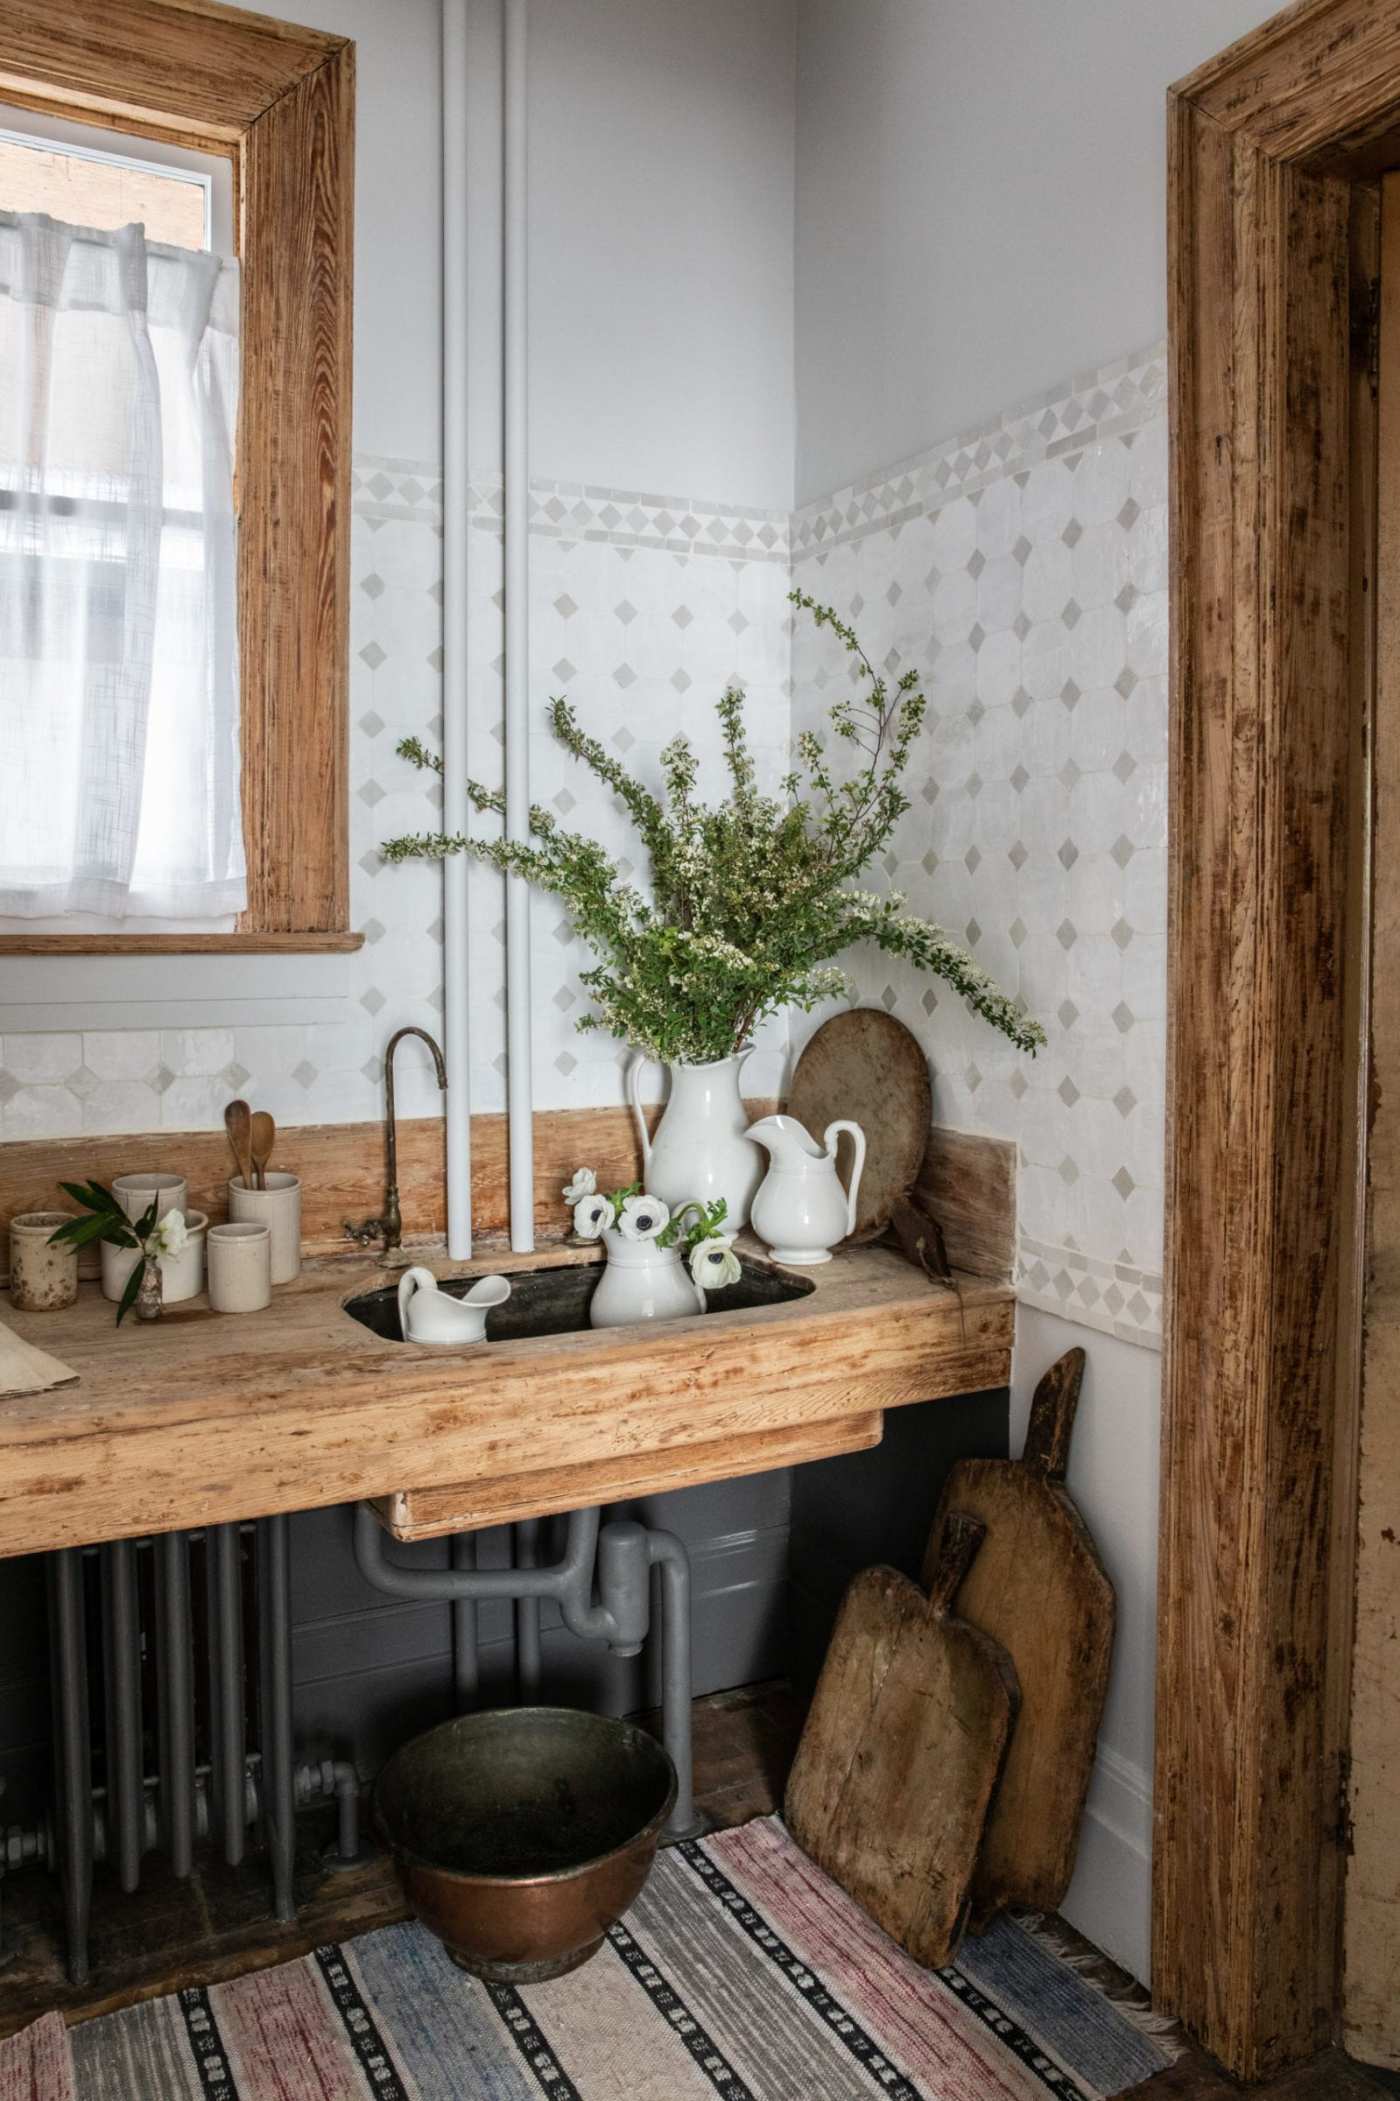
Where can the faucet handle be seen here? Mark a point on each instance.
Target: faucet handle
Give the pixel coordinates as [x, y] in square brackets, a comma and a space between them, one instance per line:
[366, 1232]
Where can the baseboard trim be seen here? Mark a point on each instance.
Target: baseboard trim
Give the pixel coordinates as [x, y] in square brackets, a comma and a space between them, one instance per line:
[1110, 1898]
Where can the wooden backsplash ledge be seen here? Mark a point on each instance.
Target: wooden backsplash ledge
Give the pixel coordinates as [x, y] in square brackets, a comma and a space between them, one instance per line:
[969, 1181]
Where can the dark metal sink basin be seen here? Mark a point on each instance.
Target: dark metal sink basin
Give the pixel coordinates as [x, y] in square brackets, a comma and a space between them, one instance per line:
[555, 1301]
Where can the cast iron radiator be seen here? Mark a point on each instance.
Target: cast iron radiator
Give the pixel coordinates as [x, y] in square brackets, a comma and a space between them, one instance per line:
[171, 1665]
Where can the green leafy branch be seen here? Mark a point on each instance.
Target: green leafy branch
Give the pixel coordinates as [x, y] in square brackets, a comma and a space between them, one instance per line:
[749, 899]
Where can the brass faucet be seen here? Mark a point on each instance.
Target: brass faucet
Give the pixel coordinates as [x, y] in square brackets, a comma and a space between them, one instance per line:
[389, 1227]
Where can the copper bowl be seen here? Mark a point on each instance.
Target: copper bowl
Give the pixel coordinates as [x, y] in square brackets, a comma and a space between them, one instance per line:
[522, 1833]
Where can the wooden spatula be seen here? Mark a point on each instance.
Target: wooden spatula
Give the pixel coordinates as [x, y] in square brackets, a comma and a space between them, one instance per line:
[262, 1136]
[1039, 1588]
[902, 1748]
[238, 1122]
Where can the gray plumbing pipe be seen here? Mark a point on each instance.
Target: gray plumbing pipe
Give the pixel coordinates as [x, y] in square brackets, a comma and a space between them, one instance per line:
[623, 1554]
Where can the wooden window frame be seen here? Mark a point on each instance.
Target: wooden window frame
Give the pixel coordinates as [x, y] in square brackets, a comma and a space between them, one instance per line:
[278, 101]
[1274, 150]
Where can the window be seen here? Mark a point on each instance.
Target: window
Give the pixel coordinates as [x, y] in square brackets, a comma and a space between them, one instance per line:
[118, 635]
[90, 177]
[233, 107]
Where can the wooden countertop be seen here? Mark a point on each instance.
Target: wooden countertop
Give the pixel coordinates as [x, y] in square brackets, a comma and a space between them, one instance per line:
[202, 1418]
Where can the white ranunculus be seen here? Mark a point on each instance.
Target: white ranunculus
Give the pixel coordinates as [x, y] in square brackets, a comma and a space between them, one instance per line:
[583, 1184]
[643, 1217]
[713, 1263]
[591, 1215]
[171, 1234]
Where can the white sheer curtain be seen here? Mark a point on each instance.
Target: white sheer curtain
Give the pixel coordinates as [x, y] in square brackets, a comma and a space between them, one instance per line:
[118, 631]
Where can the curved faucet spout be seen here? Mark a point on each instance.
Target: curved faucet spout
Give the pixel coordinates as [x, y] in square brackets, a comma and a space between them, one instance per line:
[391, 1223]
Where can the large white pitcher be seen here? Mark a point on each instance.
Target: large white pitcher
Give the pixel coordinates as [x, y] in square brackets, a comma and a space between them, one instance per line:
[700, 1149]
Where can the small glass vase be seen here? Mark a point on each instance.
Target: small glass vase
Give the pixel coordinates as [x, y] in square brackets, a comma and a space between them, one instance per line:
[150, 1293]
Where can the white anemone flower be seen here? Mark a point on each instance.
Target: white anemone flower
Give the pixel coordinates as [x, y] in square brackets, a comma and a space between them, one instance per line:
[642, 1217]
[713, 1263]
[171, 1234]
[591, 1214]
[583, 1184]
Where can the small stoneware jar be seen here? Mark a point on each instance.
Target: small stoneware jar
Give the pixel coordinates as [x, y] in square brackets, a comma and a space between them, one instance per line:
[134, 1193]
[239, 1257]
[181, 1276]
[42, 1278]
[278, 1207]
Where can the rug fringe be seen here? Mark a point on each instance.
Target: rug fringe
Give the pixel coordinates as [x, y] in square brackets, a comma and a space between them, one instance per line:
[1129, 2000]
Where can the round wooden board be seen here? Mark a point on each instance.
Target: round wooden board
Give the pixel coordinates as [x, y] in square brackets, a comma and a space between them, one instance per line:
[867, 1066]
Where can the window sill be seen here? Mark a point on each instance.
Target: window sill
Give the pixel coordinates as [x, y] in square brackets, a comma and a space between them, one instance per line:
[237, 944]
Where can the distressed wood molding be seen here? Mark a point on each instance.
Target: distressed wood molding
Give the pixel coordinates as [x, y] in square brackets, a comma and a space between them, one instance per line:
[278, 101]
[968, 1182]
[1266, 146]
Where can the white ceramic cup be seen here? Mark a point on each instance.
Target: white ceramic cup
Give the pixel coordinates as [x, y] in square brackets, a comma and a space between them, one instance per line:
[134, 1193]
[181, 1276]
[278, 1207]
[239, 1256]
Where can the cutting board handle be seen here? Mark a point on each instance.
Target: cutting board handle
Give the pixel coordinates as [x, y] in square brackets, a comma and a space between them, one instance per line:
[957, 1546]
[1051, 1426]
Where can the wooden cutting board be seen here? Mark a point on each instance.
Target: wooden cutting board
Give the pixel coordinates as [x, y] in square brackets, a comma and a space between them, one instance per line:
[867, 1066]
[1039, 1588]
[902, 1748]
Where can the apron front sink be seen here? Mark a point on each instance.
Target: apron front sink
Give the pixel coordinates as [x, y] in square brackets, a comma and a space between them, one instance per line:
[555, 1301]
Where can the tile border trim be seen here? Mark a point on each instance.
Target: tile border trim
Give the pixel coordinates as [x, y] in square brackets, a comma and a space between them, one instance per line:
[1114, 400]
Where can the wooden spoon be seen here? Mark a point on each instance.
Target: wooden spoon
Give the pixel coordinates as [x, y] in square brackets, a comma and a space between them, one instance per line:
[262, 1137]
[238, 1123]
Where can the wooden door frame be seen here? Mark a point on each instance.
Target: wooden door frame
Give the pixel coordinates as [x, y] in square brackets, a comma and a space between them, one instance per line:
[1270, 147]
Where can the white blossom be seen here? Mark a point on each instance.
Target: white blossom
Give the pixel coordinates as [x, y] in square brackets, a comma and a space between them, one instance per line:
[170, 1235]
[713, 1264]
[591, 1215]
[583, 1184]
[642, 1217]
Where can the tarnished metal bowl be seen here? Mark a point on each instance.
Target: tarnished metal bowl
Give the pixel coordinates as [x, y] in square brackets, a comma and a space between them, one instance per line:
[522, 1833]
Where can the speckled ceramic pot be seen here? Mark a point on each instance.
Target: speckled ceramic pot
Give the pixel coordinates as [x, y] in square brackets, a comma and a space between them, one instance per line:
[43, 1278]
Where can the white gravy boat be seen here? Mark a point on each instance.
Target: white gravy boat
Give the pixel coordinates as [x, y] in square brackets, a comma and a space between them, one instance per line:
[427, 1314]
[801, 1210]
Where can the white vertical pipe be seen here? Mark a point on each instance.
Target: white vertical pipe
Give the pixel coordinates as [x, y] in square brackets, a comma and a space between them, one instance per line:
[455, 533]
[517, 630]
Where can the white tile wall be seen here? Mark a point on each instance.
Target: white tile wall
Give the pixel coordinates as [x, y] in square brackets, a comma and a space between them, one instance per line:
[1022, 568]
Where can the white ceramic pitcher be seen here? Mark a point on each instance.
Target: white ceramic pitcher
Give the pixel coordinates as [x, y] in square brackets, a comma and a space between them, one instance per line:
[427, 1314]
[701, 1149]
[801, 1210]
[642, 1281]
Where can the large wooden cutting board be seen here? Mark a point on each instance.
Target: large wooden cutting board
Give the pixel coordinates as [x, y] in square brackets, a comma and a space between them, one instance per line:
[900, 1755]
[867, 1066]
[1039, 1588]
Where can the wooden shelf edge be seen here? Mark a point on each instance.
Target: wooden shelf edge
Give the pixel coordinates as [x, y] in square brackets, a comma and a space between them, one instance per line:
[241, 944]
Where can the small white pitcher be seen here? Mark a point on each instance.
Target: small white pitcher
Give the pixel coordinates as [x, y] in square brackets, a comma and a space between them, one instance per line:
[801, 1210]
[427, 1314]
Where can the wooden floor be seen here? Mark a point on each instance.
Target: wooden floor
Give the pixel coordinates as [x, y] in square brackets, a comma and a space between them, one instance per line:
[217, 1924]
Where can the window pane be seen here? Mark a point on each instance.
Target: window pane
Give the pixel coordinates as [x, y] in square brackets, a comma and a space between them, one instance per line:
[88, 192]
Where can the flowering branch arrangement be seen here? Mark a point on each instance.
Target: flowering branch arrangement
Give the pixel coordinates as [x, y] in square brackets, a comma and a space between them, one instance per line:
[749, 899]
[693, 1227]
[106, 1220]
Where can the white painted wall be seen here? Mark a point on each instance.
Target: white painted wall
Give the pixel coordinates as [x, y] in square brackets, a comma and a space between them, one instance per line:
[980, 207]
[661, 279]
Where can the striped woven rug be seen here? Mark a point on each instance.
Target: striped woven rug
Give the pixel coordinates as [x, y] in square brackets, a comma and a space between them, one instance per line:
[742, 1974]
